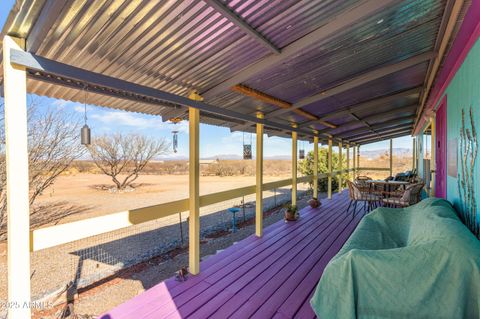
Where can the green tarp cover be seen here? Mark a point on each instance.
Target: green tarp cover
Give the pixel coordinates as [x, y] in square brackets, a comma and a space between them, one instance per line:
[416, 262]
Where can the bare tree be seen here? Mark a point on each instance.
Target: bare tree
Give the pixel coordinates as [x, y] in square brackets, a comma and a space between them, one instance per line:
[125, 155]
[53, 144]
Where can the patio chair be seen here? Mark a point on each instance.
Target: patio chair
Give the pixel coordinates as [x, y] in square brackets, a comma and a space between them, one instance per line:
[370, 200]
[403, 198]
[363, 184]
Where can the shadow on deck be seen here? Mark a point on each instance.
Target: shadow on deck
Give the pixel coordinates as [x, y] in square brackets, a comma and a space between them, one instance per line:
[272, 276]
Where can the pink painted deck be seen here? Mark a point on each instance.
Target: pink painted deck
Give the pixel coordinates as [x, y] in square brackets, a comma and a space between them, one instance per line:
[269, 277]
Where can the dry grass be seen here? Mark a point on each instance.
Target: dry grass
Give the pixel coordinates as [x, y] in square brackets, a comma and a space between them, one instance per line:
[220, 168]
[400, 164]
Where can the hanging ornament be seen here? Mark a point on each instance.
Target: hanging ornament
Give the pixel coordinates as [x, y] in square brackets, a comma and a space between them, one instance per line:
[175, 121]
[175, 141]
[301, 152]
[85, 134]
[247, 148]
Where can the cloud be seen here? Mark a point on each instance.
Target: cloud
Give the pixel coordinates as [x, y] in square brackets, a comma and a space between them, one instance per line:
[61, 104]
[133, 120]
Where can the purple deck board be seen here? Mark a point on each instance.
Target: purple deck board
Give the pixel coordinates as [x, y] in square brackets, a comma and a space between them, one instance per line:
[256, 274]
[275, 292]
[233, 272]
[262, 272]
[308, 284]
[273, 273]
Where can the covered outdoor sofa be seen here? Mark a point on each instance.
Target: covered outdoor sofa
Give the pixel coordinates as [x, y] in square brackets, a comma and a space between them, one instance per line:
[415, 262]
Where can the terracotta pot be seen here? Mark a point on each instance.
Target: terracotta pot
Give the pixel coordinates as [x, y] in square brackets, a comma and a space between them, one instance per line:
[314, 203]
[291, 216]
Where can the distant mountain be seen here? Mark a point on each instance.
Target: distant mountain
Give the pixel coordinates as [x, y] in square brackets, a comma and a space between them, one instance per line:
[377, 153]
[223, 157]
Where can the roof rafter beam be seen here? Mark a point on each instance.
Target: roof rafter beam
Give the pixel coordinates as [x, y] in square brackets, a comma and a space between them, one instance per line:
[379, 126]
[383, 131]
[337, 24]
[261, 96]
[384, 137]
[354, 108]
[357, 81]
[367, 105]
[375, 117]
[242, 25]
[37, 63]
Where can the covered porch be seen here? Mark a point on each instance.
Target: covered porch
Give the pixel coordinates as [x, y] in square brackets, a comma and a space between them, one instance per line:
[273, 276]
[339, 73]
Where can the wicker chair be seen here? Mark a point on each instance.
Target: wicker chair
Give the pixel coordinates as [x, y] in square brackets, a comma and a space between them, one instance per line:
[358, 195]
[403, 198]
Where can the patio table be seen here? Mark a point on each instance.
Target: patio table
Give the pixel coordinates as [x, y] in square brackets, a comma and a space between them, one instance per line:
[387, 185]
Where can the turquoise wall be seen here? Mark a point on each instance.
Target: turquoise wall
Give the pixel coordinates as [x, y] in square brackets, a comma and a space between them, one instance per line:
[463, 92]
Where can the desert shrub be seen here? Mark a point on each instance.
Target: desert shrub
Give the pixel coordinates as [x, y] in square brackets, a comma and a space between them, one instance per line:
[306, 168]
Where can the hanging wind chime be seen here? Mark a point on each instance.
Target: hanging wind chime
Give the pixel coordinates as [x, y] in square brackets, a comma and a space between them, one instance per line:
[301, 151]
[247, 148]
[85, 134]
[175, 121]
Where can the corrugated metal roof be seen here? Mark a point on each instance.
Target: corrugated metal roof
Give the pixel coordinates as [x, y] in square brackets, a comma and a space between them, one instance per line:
[177, 46]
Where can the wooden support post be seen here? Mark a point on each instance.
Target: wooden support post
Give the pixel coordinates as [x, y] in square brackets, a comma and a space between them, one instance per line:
[315, 166]
[358, 160]
[414, 154]
[348, 161]
[294, 166]
[354, 159]
[329, 164]
[194, 186]
[18, 209]
[391, 157]
[432, 156]
[340, 167]
[259, 180]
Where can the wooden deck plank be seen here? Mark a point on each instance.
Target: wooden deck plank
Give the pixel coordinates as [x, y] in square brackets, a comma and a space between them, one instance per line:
[266, 301]
[262, 272]
[251, 266]
[273, 274]
[294, 302]
[194, 284]
[257, 276]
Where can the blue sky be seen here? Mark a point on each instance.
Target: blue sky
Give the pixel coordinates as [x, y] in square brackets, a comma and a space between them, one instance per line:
[213, 140]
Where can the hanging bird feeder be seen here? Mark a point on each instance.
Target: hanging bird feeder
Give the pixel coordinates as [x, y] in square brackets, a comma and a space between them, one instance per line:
[247, 148]
[85, 133]
[301, 151]
[175, 121]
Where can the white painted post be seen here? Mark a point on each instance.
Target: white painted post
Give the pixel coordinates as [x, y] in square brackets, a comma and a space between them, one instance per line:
[414, 154]
[259, 180]
[340, 167]
[294, 166]
[358, 160]
[391, 157]
[194, 186]
[18, 210]
[348, 161]
[354, 157]
[329, 165]
[315, 166]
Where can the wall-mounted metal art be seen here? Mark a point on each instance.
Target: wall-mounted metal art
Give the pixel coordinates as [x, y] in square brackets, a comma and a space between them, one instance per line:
[468, 149]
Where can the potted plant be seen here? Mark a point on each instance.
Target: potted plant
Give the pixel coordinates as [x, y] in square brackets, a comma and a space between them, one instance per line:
[291, 212]
[314, 202]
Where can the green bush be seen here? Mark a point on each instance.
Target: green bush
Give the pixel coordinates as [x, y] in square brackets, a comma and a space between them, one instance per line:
[306, 168]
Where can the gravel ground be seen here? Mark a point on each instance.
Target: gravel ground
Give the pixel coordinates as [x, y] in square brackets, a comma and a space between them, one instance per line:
[88, 261]
[106, 296]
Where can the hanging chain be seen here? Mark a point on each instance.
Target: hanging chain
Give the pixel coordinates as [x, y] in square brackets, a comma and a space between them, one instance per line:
[85, 104]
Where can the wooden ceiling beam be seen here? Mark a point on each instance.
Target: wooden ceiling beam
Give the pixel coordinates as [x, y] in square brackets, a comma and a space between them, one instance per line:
[261, 96]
